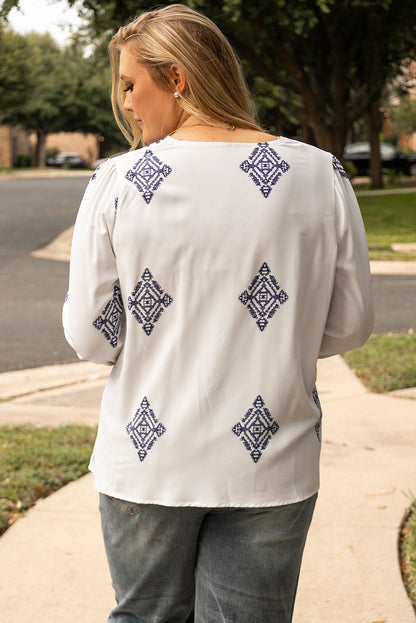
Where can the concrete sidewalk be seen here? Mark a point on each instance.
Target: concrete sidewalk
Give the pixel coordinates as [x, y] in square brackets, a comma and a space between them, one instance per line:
[53, 562]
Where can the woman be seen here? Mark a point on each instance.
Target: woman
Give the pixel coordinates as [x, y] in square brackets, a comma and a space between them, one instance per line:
[211, 268]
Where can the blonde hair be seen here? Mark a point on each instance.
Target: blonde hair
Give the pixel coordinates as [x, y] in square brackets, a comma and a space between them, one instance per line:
[177, 35]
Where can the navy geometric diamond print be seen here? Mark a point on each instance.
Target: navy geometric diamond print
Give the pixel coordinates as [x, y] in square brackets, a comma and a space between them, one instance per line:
[147, 174]
[109, 321]
[338, 166]
[144, 429]
[318, 425]
[147, 302]
[264, 167]
[256, 428]
[263, 297]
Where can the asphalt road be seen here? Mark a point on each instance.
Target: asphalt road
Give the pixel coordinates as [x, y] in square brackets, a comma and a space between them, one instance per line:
[32, 213]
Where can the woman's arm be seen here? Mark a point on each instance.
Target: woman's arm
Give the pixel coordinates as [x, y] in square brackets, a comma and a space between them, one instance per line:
[351, 316]
[93, 315]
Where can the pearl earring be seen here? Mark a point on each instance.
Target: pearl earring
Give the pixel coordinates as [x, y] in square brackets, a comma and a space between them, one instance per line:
[176, 94]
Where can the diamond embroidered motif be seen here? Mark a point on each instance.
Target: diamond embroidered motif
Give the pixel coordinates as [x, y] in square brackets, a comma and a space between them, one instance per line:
[256, 429]
[338, 166]
[144, 429]
[263, 297]
[318, 425]
[94, 175]
[265, 167]
[147, 174]
[109, 321]
[147, 302]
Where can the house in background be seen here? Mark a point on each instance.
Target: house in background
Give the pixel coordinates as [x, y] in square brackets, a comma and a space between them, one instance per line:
[406, 140]
[17, 145]
[86, 145]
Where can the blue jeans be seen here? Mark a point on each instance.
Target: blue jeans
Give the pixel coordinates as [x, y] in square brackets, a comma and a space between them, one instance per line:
[185, 564]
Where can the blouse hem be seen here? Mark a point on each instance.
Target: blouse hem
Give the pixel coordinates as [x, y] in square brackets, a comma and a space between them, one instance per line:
[205, 503]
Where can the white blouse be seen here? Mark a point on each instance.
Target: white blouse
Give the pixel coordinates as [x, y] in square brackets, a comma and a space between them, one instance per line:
[212, 276]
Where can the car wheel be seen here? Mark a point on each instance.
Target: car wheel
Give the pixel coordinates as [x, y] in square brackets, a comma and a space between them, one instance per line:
[412, 170]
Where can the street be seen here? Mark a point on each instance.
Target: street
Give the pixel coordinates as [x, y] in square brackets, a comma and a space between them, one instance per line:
[32, 213]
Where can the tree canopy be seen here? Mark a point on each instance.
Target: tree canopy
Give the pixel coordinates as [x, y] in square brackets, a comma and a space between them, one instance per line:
[333, 57]
[315, 66]
[45, 88]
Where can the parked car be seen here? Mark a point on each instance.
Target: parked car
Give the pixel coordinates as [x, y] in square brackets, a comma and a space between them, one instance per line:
[67, 160]
[391, 158]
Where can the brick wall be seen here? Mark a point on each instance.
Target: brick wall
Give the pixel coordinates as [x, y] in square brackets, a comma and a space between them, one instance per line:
[5, 147]
[84, 144]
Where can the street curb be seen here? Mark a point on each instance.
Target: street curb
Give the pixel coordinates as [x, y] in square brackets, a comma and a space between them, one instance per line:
[19, 383]
[59, 248]
[392, 268]
[50, 172]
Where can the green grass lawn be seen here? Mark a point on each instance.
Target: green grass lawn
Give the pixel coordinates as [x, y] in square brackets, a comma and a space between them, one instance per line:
[407, 543]
[35, 462]
[389, 219]
[385, 362]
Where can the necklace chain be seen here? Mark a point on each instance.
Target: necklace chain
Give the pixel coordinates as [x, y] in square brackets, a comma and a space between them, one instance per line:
[229, 126]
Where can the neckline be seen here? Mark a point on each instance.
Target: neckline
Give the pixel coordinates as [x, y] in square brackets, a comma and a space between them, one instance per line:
[205, 143]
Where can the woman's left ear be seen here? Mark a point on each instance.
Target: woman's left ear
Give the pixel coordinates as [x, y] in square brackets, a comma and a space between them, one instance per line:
[178, 79]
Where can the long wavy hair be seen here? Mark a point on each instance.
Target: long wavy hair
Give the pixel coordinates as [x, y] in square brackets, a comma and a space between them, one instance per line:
[177, 35]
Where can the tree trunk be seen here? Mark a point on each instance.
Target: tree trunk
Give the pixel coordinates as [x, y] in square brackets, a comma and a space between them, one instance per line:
[329, 138]
[374, 128]
[40, 149]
